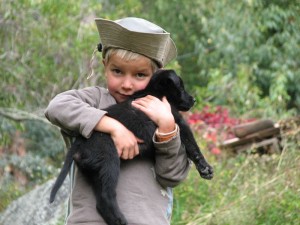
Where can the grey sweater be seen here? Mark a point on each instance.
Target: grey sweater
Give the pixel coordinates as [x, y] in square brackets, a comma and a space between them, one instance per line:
[144, 189]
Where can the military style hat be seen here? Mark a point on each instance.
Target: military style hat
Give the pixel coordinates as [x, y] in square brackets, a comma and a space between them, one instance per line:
[139, 36]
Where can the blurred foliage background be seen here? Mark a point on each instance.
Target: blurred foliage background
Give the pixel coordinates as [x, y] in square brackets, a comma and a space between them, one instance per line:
[247, 50]
[242, 55]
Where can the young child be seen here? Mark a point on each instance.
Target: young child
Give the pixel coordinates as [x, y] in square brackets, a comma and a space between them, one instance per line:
[132, 49]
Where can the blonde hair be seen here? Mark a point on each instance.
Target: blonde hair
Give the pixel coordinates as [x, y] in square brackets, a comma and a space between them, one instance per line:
[127, 55]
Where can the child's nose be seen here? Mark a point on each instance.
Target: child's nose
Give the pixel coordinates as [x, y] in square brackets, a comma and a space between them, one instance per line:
[127, 84]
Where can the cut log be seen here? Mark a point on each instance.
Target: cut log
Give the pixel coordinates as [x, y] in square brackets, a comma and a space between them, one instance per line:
[243, 130]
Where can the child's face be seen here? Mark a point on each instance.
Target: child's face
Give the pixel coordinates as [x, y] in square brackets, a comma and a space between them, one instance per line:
[124, 77]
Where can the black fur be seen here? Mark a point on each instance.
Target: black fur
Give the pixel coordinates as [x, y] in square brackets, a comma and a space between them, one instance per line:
[101, 166]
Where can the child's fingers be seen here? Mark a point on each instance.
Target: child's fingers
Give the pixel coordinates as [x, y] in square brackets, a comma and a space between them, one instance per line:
[129, 152]
[124, 154]
[119, 152]
[164, 99]
[166, 102]
[140, 141]
[133, 151]
[136, 151]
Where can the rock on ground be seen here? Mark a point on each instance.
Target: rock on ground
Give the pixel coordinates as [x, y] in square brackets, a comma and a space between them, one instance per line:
[34, 208]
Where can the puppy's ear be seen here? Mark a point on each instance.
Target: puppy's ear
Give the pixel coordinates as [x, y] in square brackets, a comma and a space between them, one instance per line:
[174, 80]
[168, 81]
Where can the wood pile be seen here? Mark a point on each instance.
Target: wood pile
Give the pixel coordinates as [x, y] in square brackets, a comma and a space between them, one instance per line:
[263, 136]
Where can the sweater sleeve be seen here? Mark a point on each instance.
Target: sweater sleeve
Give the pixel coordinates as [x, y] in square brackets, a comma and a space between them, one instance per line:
[78, 111]
[171, 162]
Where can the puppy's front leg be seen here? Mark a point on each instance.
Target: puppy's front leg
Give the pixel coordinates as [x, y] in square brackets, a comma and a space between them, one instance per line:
[192, 148]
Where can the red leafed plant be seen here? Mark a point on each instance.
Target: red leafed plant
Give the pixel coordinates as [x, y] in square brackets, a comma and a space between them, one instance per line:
[214, 124]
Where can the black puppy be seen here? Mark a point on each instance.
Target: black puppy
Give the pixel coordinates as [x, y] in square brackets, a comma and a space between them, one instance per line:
[97, 156]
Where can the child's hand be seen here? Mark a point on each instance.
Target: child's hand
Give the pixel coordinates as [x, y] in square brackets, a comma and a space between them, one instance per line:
[125, 142]
[158, 111]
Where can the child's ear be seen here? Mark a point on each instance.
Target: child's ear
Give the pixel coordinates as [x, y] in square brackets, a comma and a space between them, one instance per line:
[103, 62]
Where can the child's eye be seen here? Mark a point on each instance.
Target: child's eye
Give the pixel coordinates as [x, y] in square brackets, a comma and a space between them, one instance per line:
[141, 75]
[116, 71]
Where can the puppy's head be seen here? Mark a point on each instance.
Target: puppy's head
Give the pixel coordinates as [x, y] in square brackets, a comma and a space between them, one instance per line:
[168, 83]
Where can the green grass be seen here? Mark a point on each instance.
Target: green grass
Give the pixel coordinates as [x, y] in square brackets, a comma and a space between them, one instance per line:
[246, 189]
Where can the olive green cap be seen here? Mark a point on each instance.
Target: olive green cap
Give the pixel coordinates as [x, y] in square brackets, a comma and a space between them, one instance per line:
[139, 36]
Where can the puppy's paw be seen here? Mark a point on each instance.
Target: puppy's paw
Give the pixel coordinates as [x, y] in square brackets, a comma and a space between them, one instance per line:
[121, 221]
[206, 171]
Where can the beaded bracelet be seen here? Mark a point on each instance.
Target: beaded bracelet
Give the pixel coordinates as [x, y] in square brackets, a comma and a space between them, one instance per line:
[161, 137]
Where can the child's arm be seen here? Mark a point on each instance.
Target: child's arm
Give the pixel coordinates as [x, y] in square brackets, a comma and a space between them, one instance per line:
[172, 165]
[79, 112]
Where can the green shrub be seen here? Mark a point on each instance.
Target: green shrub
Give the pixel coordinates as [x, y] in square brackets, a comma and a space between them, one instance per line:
[28, 158]
[244, 98]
